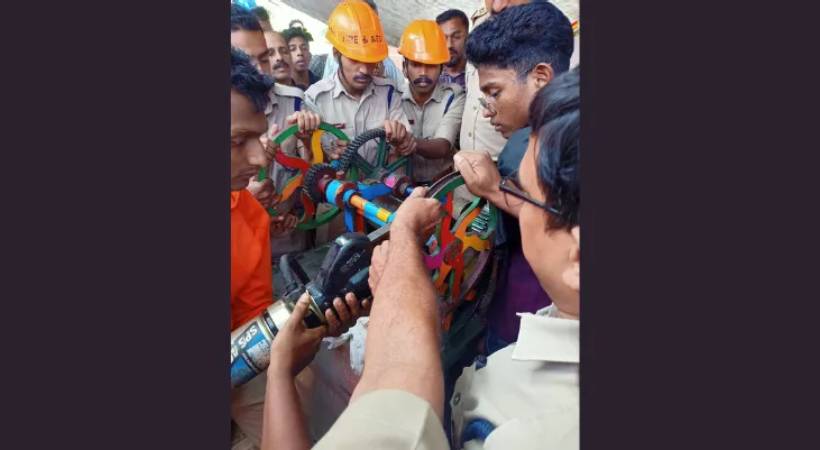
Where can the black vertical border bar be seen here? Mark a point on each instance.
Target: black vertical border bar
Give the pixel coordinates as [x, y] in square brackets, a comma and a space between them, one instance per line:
[116, 225]
[698, 225]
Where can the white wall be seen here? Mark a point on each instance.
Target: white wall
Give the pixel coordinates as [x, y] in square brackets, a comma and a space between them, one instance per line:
[281, 15]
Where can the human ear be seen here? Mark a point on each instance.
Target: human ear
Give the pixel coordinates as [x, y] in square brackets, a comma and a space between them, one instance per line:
[541, 75]
[572, 274]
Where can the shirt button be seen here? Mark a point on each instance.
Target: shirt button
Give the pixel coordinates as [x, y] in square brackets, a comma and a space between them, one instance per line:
[470, 134]
[457, 398]
[475, 108]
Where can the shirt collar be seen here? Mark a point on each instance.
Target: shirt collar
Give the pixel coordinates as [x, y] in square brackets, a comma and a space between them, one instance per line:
[545, 337]
[438, 94]
[273, 102]
[339, 88]
[283, 90]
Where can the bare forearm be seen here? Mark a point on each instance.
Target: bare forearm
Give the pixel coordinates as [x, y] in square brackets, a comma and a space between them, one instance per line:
[434, 148]
[283, 423]
[403, 333]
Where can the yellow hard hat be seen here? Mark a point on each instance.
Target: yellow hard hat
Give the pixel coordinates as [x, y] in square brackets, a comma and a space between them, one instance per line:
[424, 42]
[355, 30]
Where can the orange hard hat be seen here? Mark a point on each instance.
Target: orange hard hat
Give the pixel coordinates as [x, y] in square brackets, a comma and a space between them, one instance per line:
[355, 30]
[424, 42]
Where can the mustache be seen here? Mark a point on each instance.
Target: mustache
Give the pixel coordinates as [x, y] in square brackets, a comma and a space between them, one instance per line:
[362, 78]
[281, 65]
[422, 79]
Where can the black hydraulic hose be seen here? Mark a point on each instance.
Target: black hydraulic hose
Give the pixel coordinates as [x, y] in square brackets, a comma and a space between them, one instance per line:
[353, 147]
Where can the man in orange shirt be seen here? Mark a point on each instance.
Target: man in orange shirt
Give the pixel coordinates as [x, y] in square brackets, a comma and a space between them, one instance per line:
[251, 271]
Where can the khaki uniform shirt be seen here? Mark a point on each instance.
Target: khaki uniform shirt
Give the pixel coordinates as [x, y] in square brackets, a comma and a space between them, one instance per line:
[386, 420]
[439, 117]
[528, 390]
[284, 101]
[329, 98]
[476, 131]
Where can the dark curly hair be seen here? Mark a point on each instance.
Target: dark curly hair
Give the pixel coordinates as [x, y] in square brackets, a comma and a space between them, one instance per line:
[521, 37]
[293, 32]
[248, 81]
[555, 117]
[243, 19]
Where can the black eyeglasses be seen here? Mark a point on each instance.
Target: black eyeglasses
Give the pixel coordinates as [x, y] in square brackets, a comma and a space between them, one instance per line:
[512, 186]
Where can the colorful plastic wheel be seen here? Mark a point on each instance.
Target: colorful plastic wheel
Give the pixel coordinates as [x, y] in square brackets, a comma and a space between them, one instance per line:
[310, 219]
[460, 250]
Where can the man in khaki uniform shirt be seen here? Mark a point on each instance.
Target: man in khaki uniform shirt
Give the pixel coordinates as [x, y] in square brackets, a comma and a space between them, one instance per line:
[354, 99]
[438, 118]
[527, 394]
[380, 101]
[433, 108]
[281, 61]
[287, 102]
